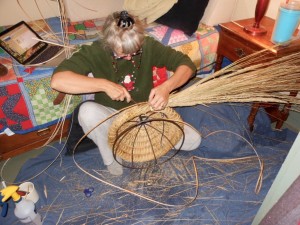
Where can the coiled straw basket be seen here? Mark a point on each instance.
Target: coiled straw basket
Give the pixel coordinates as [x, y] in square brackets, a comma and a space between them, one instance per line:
[140, 135]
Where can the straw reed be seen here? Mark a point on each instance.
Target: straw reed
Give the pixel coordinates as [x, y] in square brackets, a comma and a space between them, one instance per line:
[255, 78]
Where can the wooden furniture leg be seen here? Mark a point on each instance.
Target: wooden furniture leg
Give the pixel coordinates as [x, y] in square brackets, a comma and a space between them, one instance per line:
[273, 111]
[252, 115]
[284, 113]
[219, 62]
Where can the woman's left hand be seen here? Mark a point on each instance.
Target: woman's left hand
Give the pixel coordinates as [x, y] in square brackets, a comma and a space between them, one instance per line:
[158, 98]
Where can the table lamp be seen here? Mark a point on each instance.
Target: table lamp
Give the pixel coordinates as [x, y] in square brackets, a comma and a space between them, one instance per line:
[260, 10]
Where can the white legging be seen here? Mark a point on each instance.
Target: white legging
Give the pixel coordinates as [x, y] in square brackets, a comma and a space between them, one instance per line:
[91, 113]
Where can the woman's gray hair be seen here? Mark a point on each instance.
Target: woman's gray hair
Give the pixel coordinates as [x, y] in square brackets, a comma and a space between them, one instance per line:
[128, 39]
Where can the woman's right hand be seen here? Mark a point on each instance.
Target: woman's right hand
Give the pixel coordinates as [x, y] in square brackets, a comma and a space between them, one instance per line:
[117, 92]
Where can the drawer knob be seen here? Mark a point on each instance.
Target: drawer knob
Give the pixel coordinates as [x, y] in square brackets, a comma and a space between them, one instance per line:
[240, 52]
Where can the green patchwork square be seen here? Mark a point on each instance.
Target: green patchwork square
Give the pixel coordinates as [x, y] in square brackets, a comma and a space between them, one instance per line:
[80, 27]
[72, 37]
[42, 103]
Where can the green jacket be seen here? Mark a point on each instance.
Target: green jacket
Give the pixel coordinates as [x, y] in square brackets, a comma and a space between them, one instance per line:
[138, 79]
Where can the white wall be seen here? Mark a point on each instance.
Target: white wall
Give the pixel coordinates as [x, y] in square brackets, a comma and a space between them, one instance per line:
[11, 12]
[273, 8]
[220, 11]
[287, 174]
[79, 10]
[246, 9]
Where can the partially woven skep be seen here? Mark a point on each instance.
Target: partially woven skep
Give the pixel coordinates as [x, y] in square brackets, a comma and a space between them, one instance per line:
[140, 135]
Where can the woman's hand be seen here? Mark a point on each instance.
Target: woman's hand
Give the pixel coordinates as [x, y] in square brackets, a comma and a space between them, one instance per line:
[116, 91]
[158, 98]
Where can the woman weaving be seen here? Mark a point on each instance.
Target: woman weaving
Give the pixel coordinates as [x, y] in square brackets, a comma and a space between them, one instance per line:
[121, 63]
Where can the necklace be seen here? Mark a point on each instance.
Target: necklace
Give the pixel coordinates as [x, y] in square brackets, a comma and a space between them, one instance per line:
[128, 80]
[115, 62]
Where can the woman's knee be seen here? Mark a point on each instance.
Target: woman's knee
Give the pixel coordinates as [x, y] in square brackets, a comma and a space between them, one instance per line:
[91, 113]
[191, 141]
[86, 113]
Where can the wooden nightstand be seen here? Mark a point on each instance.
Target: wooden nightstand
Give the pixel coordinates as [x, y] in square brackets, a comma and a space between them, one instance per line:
[235, 43]
[20, 143]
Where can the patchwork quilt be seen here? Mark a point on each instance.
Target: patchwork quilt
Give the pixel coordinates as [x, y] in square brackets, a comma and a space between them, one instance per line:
[26, 99]
[201, 47]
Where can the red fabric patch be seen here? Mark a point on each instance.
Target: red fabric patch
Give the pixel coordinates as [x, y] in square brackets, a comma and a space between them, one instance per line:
[26, 124]
[21, 107]
[2, 115]
[29, 69]
[12, 89]
[11, 122]
[2, 100]
[16, 115]
[89, 24]
[159, 75]
[20, 79]
[71, 29]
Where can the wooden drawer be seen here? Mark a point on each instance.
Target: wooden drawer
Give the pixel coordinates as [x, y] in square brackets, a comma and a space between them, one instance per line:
[19, 143]
[234, 47]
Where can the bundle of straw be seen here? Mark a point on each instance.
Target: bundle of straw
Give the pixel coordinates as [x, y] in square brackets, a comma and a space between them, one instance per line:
[246, 80]
[255, 78]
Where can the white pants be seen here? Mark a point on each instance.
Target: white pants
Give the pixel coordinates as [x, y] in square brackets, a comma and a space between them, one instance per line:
[91, 113]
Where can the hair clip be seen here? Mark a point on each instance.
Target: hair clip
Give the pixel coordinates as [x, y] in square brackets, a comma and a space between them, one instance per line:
[125, 20]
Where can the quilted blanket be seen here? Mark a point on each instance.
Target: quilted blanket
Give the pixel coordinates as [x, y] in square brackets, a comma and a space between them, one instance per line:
[201, 47]
[26, 99]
